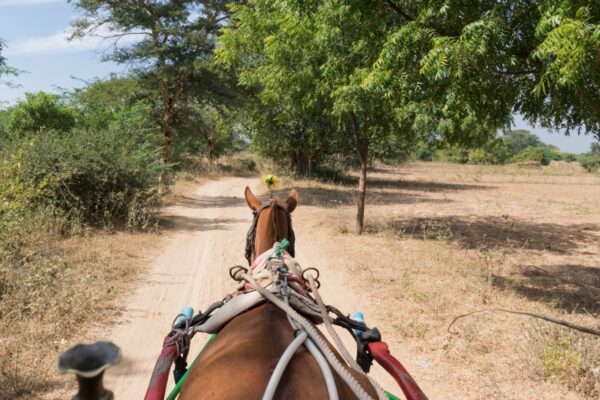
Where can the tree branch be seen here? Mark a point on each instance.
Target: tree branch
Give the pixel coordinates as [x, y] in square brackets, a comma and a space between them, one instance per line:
[399, 10]
[508, 73]
[557, 321]
[586, 100]
[120, 35]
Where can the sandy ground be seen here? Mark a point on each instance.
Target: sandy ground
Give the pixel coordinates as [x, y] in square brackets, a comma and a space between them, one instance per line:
[440, 240]
[207, 237]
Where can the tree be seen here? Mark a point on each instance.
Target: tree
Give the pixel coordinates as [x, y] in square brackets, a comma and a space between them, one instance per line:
[209, 124]
[101, 102]
[520, 139]
[40, 111]
[176, 41]
[4, 68]
[537, 59]
[353, 63]
[280, 73]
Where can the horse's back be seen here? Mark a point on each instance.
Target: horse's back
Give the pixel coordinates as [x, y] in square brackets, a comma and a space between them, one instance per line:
[239, 362]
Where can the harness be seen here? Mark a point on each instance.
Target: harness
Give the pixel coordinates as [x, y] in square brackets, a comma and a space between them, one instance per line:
[251, 235]
[276, 277]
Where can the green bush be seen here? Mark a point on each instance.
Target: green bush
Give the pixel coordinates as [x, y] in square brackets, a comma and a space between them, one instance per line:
[453, 154]
[543, 155]
[424, 151]
[519, 140]
[570, 157]
[590, 161]
[480, 156]
[40, 111]
[247, 164]
[82, 178]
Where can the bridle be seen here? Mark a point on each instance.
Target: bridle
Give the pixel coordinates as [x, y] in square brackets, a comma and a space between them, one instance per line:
[251, 236]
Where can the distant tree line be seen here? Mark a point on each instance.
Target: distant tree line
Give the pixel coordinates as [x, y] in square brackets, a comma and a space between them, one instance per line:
[511, 147]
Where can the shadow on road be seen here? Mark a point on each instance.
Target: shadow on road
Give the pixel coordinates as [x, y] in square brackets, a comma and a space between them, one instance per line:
[187, 224]
[210, 201]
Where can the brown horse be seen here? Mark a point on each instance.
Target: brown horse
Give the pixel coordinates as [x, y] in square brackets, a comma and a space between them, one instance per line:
[241, 359]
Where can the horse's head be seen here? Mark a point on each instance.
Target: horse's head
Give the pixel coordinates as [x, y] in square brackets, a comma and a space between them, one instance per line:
[272, 223]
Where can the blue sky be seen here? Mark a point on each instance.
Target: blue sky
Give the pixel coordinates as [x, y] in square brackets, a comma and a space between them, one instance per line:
[35, 32]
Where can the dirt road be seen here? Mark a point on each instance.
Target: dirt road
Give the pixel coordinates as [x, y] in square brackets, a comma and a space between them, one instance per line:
[206, 239]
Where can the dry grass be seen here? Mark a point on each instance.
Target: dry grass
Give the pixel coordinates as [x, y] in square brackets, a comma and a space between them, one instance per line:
[446, 239]
[55, 292]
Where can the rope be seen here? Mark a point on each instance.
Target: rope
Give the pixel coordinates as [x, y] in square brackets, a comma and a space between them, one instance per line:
[329, 380]
[282, 364]
[327, 322]
[342, 371]
[338, 342]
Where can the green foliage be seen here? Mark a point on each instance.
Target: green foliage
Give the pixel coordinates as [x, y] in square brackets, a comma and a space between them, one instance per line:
[569, 157]
[537, 58]
[519, 140]
[5, 70]
[543, 155]
[289, 117]
[590, 161]
[494, 151]
[102, 102]
[245, 164]
[456, 154]
[424, 151]
[208, 130]
[174, 50]
[4, 117]
[90, 178]
[38, 112]
[560, 358]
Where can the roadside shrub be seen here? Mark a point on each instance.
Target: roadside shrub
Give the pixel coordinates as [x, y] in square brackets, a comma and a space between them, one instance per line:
[40, 111]
[590, 161]
[453, 154]
[83, 178]
[246, 164]
[424, 151]
[520, 139]
[495, 152]
[570, 157]
[480, 156]
[543, 155]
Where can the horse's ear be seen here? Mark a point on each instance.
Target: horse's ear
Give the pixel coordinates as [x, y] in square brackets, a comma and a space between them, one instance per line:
[251, 199]
[292, 201]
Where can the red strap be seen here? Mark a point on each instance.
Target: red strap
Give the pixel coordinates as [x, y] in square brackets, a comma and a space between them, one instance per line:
[160, 375]
[381, 353]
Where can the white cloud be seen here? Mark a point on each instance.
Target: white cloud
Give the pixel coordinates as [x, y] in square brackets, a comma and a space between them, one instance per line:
[59, 43]
[28, 2]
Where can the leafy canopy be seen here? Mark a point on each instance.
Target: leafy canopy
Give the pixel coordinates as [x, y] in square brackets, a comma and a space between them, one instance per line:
[38, 112]
[536, 58]
[171, 44]
[519, 139]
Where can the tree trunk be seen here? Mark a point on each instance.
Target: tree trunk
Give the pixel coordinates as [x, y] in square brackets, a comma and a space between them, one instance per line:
[167, 128]
[362, 149]
[300, 162]
[210, 144]
[362, 194]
